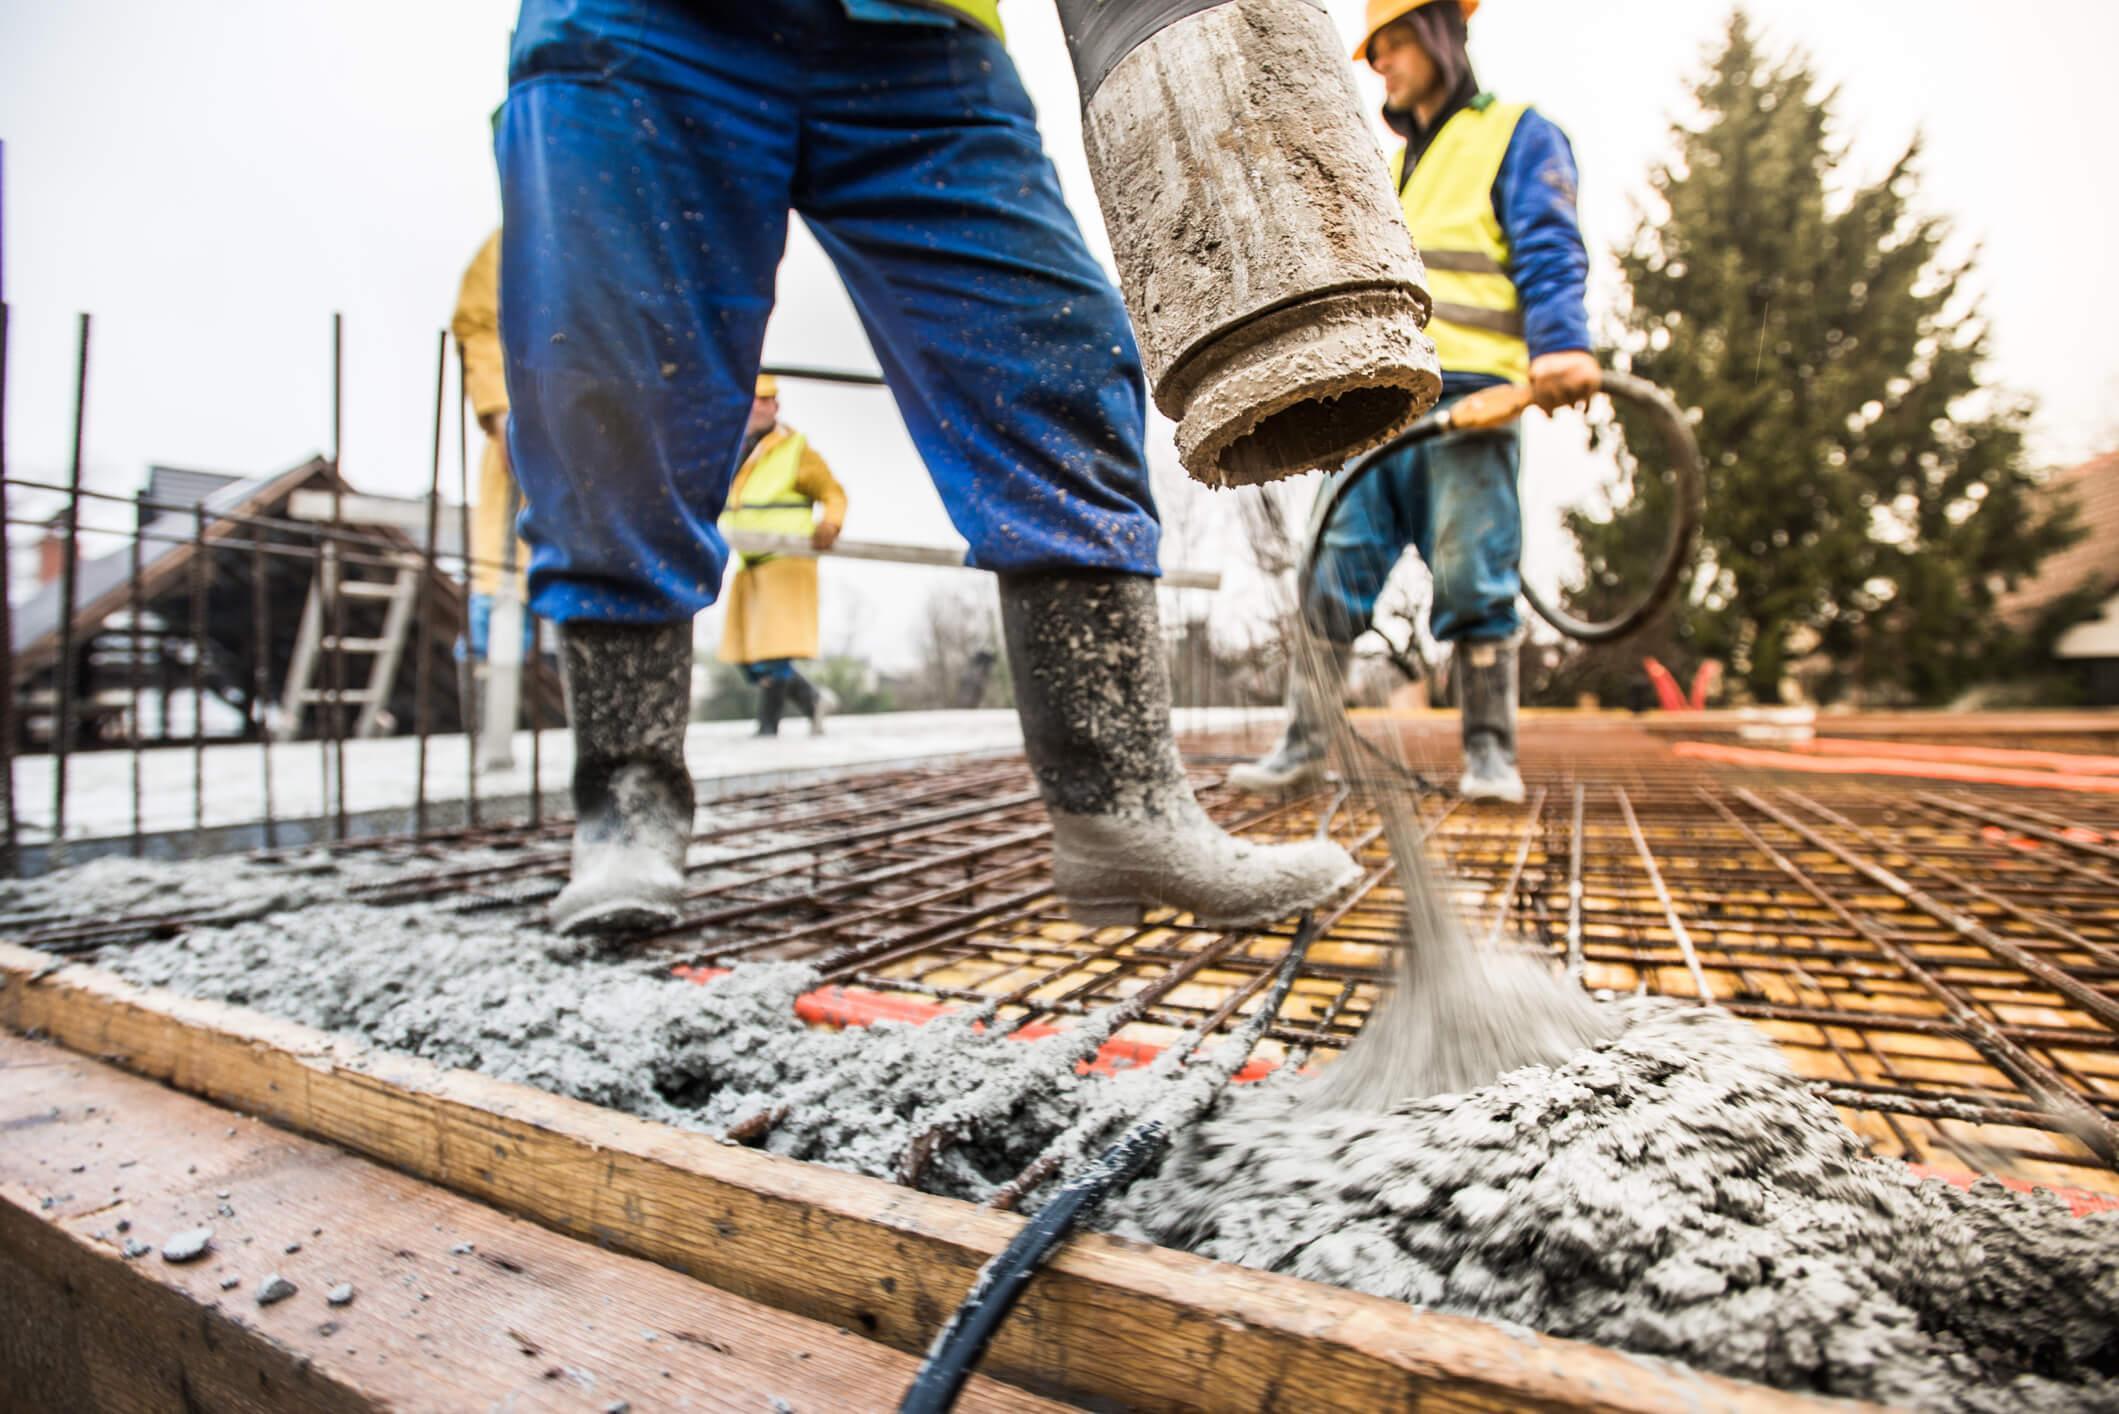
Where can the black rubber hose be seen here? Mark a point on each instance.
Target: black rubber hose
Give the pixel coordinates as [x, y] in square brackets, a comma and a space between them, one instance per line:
[1683, 450]
[957, 1349]
[1102, 32]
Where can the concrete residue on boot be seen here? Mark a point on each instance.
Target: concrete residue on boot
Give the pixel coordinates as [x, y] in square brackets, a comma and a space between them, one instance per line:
[1674, 1191]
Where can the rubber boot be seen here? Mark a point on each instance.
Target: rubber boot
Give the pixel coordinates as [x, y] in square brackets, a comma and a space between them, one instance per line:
[1487, 689]
[1298, 763]
[1093, 691]
[772, 701]
[628, 691]
[813, 702]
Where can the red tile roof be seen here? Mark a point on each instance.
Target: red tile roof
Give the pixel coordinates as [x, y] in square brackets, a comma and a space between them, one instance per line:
[2094, 487]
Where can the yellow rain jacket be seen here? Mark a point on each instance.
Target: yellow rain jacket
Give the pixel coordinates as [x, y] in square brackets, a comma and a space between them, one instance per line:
[772, 599]
[476, 325]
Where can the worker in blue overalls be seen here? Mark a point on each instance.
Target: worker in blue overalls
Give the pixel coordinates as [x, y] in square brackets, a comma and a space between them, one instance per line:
[1489, 192]
[650, 152]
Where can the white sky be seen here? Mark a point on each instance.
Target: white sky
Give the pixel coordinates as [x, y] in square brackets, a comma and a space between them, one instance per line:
[212, 181]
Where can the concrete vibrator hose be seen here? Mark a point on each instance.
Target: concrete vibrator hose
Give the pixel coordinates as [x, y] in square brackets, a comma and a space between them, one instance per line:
[1276, 292]
[1498, 406]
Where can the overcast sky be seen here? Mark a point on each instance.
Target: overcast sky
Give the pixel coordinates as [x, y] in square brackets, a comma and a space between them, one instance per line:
[213, 181]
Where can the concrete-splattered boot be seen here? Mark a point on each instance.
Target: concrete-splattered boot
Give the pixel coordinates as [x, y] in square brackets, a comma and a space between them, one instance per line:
[1486, 677]
[628, 697]
[1093, 690]
[1298, 762]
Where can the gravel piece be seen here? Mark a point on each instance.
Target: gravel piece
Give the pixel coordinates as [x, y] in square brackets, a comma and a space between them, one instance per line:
[188, 1245]
[275, 1288]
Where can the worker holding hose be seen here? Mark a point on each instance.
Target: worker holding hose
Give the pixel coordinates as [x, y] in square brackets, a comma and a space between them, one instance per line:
[1488, 189]
[650, 153]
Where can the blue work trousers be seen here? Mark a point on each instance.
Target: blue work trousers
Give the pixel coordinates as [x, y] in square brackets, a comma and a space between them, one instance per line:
[767, 670]
[650, 152]
[1454, 500]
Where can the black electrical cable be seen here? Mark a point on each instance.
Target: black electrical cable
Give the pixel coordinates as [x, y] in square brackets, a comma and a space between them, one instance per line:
[1001, 1282]
[1678, 443]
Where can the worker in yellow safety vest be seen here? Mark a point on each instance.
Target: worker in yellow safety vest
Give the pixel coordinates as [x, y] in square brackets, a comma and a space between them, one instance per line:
[476, 327]
[772, 599]
[1488, 190]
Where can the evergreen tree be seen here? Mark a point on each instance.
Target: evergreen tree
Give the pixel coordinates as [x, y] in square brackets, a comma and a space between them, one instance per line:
[1868, 495]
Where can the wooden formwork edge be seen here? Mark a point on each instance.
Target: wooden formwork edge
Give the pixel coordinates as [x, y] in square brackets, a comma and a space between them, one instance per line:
[1109, 1320]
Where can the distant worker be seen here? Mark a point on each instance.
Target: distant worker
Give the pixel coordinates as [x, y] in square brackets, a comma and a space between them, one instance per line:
[651, 152]
[772, 599]
[476, 326]
[1488, 189]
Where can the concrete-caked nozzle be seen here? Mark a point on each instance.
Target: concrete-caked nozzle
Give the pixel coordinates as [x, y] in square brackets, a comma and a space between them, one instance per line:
[1272, 282]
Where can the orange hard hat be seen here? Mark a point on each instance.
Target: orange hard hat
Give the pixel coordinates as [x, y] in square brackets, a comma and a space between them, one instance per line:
[1382, 12]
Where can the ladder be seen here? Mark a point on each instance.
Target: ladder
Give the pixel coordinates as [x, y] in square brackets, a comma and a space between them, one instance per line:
[396, 595]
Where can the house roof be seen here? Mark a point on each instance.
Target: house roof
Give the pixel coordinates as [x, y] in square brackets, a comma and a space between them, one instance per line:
[2094, 488]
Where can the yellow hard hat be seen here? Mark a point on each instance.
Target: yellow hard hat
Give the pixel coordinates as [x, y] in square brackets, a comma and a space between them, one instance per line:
[768, 386]
[1382, 12]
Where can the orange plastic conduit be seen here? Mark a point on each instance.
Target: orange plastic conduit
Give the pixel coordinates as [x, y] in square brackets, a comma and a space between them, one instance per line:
[1880, 766]
[2064, 761]
[857, 1006]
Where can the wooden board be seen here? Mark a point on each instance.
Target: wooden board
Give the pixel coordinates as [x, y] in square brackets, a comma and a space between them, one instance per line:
[455, 1306]
[1109, 1320]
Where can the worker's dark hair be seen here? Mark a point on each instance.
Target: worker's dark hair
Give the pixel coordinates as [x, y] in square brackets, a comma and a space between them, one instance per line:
[1438, 27]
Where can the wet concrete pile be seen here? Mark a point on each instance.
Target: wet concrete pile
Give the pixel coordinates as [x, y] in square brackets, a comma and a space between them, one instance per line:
[1672, 1191]
[1667, 1188]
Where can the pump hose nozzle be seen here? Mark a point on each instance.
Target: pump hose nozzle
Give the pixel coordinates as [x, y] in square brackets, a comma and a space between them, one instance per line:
[1261, 251]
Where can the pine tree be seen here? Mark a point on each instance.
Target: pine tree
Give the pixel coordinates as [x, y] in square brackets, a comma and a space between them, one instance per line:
[1868, 493]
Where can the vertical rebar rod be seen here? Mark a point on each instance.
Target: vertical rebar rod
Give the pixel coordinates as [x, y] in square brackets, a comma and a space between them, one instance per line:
[536, 724]
[136, 610]
[69, 581]
[1574, 891]
[261, 671]
[9, 854]
[466, 698]
[424, 671]
[334, 607]
[199, 571]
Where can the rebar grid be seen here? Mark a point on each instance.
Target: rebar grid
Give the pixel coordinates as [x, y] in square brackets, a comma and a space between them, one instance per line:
[1942, 965]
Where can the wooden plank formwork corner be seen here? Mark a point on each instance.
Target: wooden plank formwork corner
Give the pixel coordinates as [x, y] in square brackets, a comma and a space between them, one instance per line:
[1109, 1320]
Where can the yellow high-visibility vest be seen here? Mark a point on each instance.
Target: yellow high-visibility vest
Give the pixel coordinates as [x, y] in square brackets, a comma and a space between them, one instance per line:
[1478, 319]
[766, 501]
[984, 13]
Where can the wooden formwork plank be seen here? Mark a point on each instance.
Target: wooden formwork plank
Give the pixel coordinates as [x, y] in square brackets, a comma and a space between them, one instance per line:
[1109, 1320]
[453, 1306]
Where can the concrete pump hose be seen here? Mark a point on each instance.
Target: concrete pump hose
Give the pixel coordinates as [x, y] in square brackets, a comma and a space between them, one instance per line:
[1493, 408]
[1263, 256]
[1689, 499]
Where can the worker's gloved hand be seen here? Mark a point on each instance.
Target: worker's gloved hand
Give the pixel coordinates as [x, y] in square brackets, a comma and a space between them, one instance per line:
[1559, 380]
[824, 536]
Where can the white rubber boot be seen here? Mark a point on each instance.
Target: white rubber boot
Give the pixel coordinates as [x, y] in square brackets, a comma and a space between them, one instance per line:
[1094, 695]
[1487, 688]
[628, 697]
[1298, 763]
